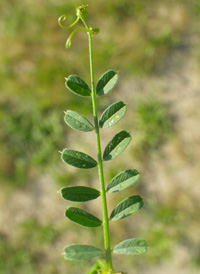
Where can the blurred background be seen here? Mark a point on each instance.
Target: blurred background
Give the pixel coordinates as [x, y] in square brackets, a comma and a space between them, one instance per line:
[156, 47]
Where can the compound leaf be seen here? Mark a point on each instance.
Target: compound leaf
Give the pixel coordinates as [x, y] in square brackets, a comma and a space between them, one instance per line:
[127, 207]
[77, 159]
[123, 180]
[112, 114]
[117, 145]
[79, 193]
[77, 121]
[131, 246]
[82, 217]
[106, 82]
[77, 252]
[77, 85]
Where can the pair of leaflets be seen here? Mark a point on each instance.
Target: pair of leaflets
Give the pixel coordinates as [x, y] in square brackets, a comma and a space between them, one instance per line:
[105, 84]
[78, 252]
[114, 148]
[113, 114]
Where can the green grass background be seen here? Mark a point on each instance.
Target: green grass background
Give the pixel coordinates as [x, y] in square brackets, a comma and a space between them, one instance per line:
[137, 37]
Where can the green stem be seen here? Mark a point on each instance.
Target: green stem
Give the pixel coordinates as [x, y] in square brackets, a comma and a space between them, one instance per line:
[100, 166]
[99, 157]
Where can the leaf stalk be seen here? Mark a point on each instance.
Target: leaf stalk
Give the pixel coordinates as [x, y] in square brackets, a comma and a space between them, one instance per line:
[106, 229]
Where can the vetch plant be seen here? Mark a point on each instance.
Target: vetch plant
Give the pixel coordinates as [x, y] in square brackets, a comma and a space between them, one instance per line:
[113, 114]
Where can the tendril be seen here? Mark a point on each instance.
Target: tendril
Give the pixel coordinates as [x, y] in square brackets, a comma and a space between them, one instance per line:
[63, 18]
[81, 13]
[68, 42]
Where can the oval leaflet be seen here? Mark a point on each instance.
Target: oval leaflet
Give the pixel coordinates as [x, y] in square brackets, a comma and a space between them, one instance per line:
[79, 193]
[77, 159]
[117, 145]
[106, 82]
[113, 114]
[77, 121]
[131, 246]
[123, 180]
[82, 217]
[127, 207]
[78, 252]
[77, 85]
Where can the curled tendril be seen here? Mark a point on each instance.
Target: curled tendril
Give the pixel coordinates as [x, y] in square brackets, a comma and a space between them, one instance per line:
[68, 42]
[63, 18]
[81, 13]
